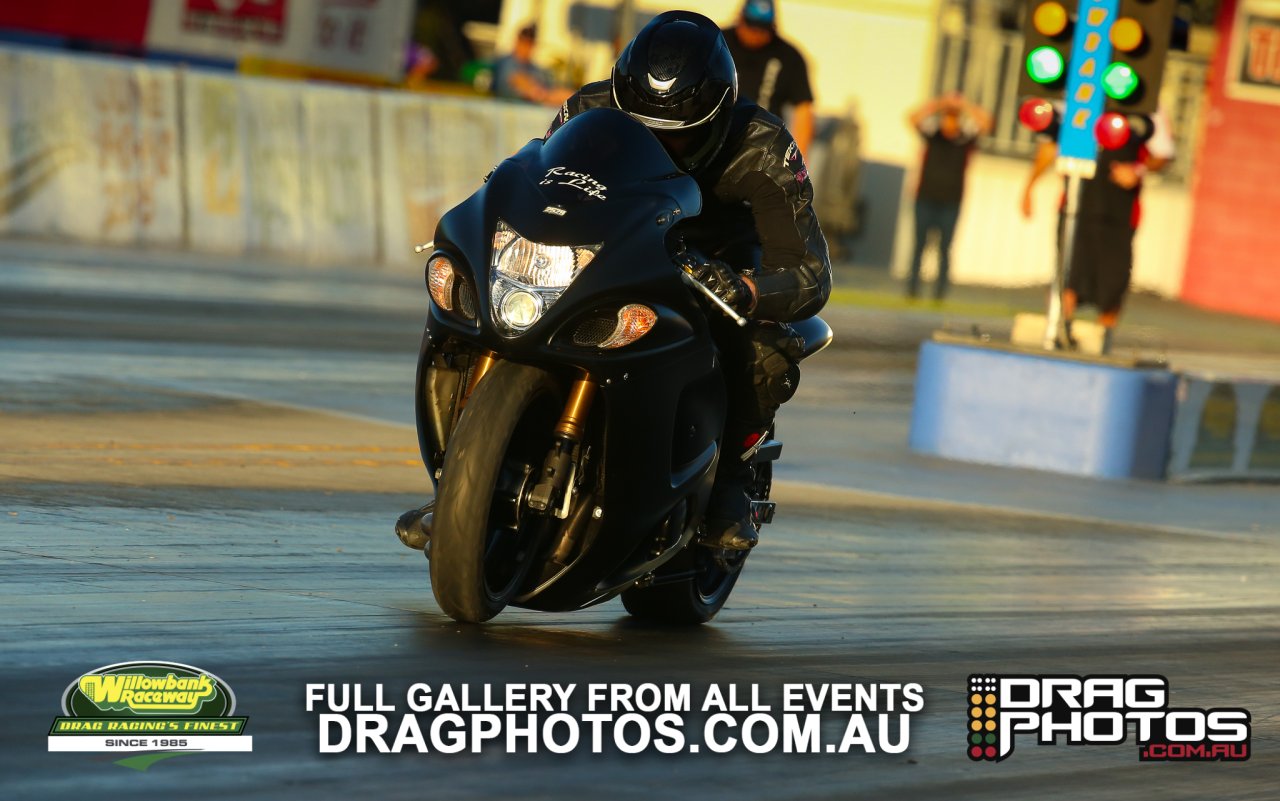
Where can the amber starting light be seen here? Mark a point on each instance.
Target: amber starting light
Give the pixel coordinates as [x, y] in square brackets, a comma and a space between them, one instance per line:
[1126, 35]
[1050, 18]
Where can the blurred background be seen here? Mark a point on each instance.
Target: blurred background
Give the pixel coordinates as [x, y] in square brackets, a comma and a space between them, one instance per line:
[340, 130]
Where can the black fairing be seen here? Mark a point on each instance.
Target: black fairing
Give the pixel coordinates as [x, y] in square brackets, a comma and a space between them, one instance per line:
[661, 399]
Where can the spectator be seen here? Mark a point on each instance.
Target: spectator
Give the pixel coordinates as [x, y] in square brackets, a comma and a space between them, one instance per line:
[1106, 218]
[420, 63]
[516, 76]
[771, 71]
[950, 126]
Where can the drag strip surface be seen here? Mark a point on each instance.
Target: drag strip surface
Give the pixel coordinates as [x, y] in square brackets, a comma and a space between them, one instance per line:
[225, 500]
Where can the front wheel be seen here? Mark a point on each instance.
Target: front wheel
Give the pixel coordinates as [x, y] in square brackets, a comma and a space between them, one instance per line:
[484, 538]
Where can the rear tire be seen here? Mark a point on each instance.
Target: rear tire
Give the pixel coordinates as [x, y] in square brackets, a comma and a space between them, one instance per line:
[480, 555]
[694, 601]
[691, 601]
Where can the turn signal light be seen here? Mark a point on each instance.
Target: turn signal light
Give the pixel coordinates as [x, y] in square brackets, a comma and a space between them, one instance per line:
[634, 321]
[440, 279]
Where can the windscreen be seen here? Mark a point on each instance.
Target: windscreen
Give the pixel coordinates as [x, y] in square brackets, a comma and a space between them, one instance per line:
[598, 153]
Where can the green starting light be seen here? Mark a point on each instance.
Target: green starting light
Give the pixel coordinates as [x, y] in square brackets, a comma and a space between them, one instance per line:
[1045, 64]
[1119, 81]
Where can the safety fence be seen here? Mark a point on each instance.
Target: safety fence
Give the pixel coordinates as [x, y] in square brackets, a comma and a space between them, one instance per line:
[102, 150]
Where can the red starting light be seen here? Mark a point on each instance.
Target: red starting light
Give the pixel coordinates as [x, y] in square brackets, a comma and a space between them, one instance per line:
[1112, 130]
[1036, 113]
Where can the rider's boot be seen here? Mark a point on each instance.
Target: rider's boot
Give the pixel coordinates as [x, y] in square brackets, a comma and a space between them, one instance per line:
[728, 522]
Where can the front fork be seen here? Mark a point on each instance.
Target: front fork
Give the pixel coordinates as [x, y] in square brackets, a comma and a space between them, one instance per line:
[553, 491]
[560, 467]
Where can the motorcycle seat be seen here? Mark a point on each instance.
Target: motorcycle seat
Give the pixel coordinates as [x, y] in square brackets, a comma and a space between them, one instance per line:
[815, 332]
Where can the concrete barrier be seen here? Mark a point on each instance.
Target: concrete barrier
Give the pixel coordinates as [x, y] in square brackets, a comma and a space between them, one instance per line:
[1226, 429]
[1019, 408]
[433, 152]
[89, 149]
[116, 151]
[998, 406]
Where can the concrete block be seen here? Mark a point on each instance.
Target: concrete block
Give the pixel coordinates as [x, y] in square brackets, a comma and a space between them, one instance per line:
[999, 406]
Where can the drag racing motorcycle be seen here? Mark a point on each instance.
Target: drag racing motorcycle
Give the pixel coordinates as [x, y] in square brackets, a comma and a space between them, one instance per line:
[570, 399]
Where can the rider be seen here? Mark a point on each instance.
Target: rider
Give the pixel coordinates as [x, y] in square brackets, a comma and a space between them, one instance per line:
[756, 245]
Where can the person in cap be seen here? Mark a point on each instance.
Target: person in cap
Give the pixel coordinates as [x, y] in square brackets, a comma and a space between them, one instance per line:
[771, 71]
[757, 243]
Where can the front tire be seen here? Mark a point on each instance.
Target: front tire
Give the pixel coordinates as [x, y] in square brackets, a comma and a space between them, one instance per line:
[484, 539]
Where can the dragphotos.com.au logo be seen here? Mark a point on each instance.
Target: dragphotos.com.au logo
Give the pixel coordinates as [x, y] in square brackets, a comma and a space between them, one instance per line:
[1100, 710]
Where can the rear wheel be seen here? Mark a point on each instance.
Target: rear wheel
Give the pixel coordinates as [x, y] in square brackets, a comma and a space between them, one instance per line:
[695, 600]
[484, 538]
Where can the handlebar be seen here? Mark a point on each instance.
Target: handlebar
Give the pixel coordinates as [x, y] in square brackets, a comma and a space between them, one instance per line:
[713, 297]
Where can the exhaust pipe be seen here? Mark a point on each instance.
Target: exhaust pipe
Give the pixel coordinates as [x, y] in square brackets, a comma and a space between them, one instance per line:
[414, 526]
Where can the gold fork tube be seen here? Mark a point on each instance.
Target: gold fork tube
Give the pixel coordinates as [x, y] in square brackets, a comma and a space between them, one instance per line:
[484, 361]
[576, 409]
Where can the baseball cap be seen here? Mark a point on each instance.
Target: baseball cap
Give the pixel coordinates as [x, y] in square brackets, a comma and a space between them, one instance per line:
[760, 13]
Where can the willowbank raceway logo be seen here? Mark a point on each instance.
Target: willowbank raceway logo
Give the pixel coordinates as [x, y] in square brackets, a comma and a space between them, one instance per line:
[1099, 710]
[149, 706]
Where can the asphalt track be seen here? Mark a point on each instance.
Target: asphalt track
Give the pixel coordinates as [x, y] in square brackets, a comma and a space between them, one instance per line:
[201, 463]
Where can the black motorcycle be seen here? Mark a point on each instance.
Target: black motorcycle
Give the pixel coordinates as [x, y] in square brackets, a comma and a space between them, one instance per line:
[570, 400]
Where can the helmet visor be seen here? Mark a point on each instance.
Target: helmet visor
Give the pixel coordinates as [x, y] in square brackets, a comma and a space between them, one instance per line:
[664, 124]
[684, 142]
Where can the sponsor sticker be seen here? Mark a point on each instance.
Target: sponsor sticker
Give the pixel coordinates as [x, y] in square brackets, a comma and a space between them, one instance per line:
[149, 706]
[562, 176]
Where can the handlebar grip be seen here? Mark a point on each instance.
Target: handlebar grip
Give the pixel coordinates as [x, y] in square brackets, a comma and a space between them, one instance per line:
[713, 297]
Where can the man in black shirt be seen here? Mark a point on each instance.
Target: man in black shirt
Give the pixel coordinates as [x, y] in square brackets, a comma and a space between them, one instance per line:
[771, 72]
[950, 126]
[1106, 221]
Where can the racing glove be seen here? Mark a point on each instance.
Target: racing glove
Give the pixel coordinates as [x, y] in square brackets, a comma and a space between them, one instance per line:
[720, 278]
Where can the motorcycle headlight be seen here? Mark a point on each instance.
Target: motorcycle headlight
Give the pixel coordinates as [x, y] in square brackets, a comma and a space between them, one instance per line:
[520, 309]
[526, 277]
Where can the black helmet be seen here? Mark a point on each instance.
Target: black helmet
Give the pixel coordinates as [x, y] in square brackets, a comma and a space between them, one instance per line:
[678, 78]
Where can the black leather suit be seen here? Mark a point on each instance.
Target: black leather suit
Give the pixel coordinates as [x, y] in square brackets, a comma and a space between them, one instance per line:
[758, 217]
[756, 193]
